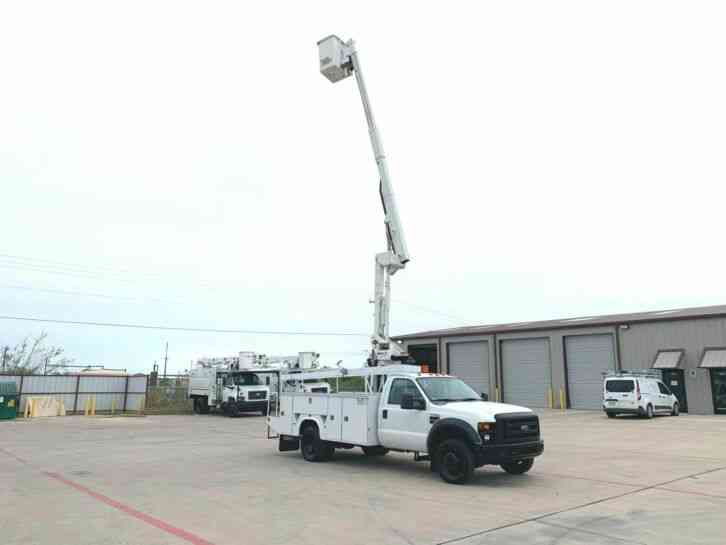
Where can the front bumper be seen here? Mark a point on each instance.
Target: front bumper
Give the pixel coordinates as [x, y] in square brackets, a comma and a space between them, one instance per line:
[252, 406]
[503, 453]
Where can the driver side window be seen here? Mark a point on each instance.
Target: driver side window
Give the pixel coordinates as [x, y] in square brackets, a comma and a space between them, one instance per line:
[663, 389]
[401, 386]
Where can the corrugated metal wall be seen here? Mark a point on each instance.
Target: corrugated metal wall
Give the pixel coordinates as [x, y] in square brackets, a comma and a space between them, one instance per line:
[635, 347]
[76, 390]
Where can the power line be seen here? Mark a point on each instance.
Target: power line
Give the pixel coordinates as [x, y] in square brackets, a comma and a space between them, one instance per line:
[87, 294]
[433, 311]
[64, 264]
[189, 329]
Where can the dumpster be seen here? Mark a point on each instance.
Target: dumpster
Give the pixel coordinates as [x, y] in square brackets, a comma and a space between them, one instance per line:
[8, 400]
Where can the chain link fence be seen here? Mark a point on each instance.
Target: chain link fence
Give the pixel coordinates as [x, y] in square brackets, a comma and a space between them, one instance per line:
[168, 395]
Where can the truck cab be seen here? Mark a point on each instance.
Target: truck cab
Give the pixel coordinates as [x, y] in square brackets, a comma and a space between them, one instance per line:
[437, 417]
[242, 392]
[442, 416]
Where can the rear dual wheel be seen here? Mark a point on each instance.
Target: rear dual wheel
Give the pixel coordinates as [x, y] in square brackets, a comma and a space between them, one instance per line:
[313, 448]
[200, 405]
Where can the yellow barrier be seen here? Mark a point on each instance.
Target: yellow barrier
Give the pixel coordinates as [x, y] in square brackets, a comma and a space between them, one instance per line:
[43, 406]
[563, 404]
[550, 398]
[113, 406]
[90, 408]
[496, 394]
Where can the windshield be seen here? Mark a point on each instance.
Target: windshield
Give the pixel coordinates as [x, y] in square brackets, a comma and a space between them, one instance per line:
[247, 379]
[620, 386]
[445, 389]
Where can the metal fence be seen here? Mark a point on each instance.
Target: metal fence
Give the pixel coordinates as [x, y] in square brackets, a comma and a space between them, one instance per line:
[124, 393]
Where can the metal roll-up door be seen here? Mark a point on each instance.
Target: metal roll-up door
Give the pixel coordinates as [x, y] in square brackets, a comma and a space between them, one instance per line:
[588, 357]
[526, 371]
[470, 362]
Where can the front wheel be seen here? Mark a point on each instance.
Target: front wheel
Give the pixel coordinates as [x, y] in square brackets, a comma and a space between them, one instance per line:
[649, 411]
[231, 409]
[610, 415]
[676, 410]
[519, 467]
[455, 461]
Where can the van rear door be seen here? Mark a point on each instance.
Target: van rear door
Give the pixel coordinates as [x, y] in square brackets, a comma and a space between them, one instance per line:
[620, 393]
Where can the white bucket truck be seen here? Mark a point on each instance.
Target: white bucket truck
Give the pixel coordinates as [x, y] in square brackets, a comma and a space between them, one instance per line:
[437, 417]
[229, 385]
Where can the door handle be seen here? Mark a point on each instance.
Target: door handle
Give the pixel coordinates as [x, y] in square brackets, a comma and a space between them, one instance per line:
[384, 414]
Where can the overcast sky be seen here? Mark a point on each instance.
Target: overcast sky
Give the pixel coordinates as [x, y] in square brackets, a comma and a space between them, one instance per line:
[185, 164]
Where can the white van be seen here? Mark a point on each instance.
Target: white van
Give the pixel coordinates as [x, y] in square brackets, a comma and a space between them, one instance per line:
[643, 394]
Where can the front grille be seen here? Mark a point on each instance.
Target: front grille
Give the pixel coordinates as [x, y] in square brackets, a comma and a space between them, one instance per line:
[517, 427]
[257, 395]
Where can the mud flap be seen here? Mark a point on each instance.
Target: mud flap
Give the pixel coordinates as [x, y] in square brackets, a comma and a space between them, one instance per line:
[289, 443]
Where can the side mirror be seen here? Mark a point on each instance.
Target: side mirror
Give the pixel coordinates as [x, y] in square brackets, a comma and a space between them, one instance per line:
[408, 401]
[484, 397]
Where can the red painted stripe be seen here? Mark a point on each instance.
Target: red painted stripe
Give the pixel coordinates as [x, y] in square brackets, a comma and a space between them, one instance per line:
[160, 524]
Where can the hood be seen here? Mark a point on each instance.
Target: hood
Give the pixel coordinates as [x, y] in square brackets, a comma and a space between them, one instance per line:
[479, 409]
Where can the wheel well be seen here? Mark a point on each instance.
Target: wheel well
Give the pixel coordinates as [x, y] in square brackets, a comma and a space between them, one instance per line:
[448, 432]
[308, 424]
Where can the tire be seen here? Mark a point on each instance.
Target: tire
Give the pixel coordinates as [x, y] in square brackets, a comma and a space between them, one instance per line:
[610, 415]
[203, 405]
[312, 448]
[455, 461]
[519, 467]
[196, 404]
[264, 411]
[375, 451]
[649, 411]
[676, 409]
[231, 409]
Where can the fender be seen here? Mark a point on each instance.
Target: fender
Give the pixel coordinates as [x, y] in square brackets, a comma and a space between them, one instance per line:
[313, 419]
[451, 426]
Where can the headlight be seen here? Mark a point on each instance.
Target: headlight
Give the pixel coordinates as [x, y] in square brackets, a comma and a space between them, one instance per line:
[486, 427]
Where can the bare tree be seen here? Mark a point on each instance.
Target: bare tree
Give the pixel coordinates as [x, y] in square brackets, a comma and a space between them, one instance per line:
[32, 356]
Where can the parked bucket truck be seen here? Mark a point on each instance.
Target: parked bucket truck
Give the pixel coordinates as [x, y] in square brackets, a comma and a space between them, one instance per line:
[437, 417]
[229, 385]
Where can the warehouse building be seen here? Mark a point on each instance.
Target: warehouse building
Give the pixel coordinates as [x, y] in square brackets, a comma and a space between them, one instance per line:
[537, 364]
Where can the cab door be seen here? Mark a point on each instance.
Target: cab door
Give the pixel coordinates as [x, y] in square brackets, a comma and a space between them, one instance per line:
[403, 429]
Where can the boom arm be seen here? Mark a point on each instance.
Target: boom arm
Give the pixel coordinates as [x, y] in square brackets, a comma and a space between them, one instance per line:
[337, 61]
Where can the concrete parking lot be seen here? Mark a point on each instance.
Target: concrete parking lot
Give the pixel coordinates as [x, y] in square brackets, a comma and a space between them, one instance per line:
[206, 480]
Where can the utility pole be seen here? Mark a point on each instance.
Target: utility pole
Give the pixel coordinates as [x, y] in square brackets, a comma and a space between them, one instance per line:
[166, 357]
[5, 353]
